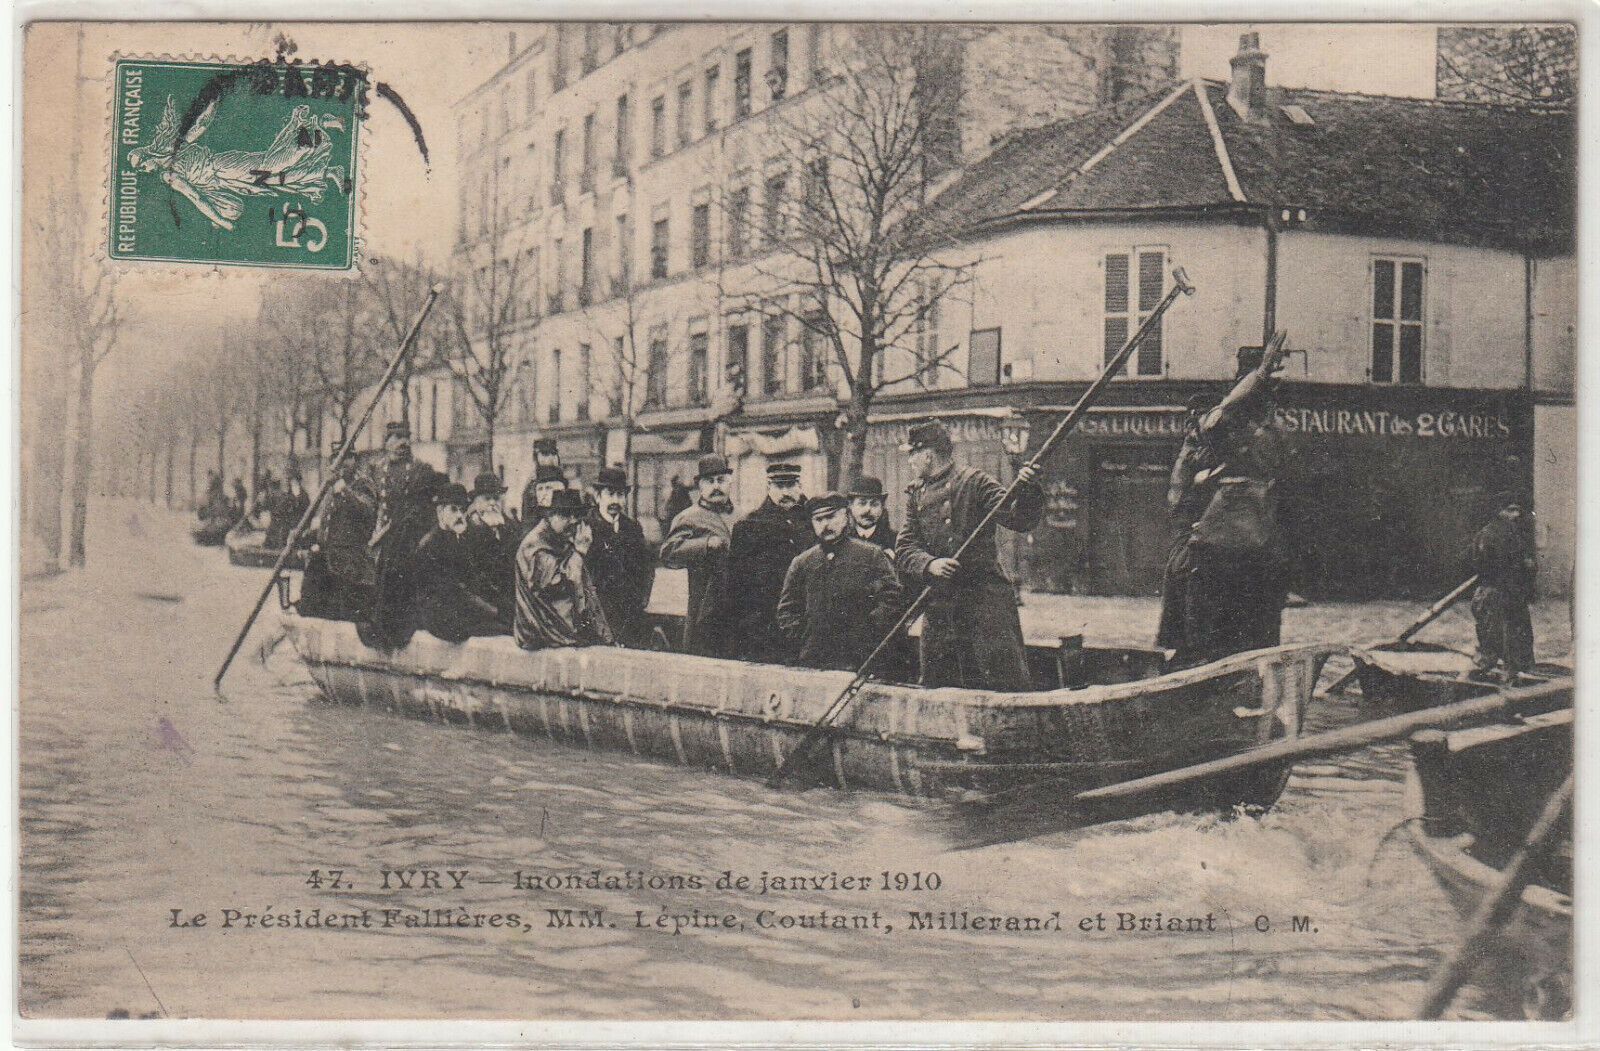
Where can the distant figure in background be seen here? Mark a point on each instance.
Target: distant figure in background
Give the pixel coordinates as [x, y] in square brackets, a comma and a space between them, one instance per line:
[288, 504]
[620, 561]
[491, 542]
[1186, 500]
[405, 514]
[215, 503]
[841, 594]
[764, 543]
[447, 607]
[241, 499]
[679, 499]
[556, 600]
[1504, 557]
[972, 635]
[698, 541]
[547, 480]
[339, 574]
[266, 492]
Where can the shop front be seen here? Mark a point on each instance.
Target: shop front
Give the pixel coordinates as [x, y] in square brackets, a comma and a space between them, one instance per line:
[659, 456]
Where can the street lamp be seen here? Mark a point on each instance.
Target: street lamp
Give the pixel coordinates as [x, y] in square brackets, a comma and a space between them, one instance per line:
[1014, 430]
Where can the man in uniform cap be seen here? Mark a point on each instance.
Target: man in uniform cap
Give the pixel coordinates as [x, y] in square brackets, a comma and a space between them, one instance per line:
[1504, 557]
[620, 561]
[971, 636]
[840, 595]
[405, 514]
[447, 605]
[547, 479]
[698, 541]
[491, 541]
[556, 600]
[764, 543]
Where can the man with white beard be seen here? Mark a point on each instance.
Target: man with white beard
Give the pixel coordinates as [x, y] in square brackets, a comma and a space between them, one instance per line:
[491, 543]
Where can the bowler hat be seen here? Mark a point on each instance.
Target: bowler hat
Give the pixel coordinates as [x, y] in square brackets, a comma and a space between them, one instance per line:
[866, 485]
[712, 464]
[930, 434]
[454, 494]
[549, 473]
[487, 484]
[613, 478]
[565, 502]
[396, 429]
[544, 447]
[784, 470]
[826, 504]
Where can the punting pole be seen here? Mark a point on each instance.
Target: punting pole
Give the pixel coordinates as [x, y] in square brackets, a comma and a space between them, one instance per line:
[1180, 283]
[327, 483]
[1497, 907]
[1433, 613]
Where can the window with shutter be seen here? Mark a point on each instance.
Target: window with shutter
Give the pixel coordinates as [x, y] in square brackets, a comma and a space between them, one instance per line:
[983, 357]
[1397, 301]
[1134, 284]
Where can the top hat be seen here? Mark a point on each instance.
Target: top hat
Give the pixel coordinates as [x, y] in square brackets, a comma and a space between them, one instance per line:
[867, 485]
[712, 464]
[544, 446]
[487, 484]
[613, 478]
[565, 502]
[783, 471]
[396, 429]
[454, 494]
[549, 473]
[928, 435]
[826, 504]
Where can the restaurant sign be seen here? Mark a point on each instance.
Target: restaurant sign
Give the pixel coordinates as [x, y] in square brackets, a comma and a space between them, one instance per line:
[1168, 423]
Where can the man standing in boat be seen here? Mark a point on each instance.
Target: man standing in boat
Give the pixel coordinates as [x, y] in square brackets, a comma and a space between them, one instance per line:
[556, 600]
[448, 607]
[340, 585]
[620, 561]
[1186, 499]
[698, 542]
[764, 544]
[491, 542]
[971, 634]
[869, 521]
[405, 514]
[1504, 557]
[839, 595]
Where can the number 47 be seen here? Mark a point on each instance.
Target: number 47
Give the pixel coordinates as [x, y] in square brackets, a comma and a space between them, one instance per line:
[334, 880]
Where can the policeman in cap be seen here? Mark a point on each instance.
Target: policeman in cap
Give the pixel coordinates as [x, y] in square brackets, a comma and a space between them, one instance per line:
[620, 560]
[764, 543]
[447, 605]
[841, 594]
[405, 514]
[971, 636]
[698, 542]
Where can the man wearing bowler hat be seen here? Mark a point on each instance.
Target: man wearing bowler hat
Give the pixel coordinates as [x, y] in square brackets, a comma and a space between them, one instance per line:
[764, 543]
[620, 561]
[547, 479]
[556, 600]
[972, 636]
[447, 606]
[405, 514]
[491, 540]
[841, 594]
[869, 517]
[698, 541]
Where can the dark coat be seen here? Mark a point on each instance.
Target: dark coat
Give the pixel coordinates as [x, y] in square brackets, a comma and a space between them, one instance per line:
[883, 534]
[706, 627]
[287, 508]
[1504, 557]
[837, 602]
[556, 600]
[446, 605]
[624, 569]
[405, 515]
[492, 565]
[764, 543]
[972, 636]
[339, 574]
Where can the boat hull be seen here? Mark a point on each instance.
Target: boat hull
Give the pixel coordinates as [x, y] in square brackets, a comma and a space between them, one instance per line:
[249, 549]
[744, 719]
[211, 532]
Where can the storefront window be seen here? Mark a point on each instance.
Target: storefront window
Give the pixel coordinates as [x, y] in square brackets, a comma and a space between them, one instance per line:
[772, 355]
[1397, 320]
[1128, 305]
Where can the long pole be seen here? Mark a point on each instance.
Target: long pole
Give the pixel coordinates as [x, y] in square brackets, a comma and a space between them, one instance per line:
[1434, 612]
[820, 728]
[327, 483]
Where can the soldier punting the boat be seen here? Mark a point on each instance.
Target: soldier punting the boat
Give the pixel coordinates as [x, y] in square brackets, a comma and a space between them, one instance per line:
[698, 541]
[339, 574]
[556, 600]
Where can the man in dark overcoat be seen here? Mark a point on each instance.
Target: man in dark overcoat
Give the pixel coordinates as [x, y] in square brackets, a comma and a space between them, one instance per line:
[405, 514]
[620, 561]
[971, 635]
[1504, 557]
[491, 541]
[698, 542]
[447, 605]
[339, 574]
[841, 594]
[536, 495]
[556, 600]
[869, 518]
[764, 542]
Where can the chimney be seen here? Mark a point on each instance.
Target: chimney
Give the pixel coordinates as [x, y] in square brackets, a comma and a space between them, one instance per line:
[1247, 92]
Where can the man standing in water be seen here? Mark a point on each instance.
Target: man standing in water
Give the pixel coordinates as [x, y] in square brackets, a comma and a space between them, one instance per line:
[698, 541]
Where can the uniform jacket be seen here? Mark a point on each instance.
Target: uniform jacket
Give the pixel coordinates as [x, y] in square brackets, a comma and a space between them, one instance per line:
[765, 542]
[1502, 555]
[837, 601]
[705, 625]
[492, 564]
[347, 521]
[623, 569]
[446, 605]
[405, 515]
[556, 600]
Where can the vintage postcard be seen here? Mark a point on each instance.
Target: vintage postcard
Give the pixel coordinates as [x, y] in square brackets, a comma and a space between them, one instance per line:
[902, 525]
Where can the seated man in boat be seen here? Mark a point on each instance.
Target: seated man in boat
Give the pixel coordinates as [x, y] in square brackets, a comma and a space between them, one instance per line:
[492, 541]
[698, 541]
[972, 636]
[556, 600]
[447, 607]
[764, 543]
[840, 595]
[1506, 562]
[620, 561]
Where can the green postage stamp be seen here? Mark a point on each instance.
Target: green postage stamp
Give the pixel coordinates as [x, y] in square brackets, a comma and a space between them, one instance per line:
[245, 164]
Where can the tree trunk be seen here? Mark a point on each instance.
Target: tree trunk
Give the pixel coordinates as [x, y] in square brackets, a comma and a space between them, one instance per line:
[45, 471]
[169, 473]
[488, 430]
[853, 456]
[222, 450]
[77, 551]
[194, 448]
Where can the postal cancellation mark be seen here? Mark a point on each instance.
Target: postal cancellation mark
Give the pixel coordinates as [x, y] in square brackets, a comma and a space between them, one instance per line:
[247, 164]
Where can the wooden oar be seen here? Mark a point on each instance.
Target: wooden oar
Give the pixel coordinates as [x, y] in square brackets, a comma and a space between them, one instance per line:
[1434, 612]
[808, 743]
[333, 473]
[1497, 907]
[1342, 740]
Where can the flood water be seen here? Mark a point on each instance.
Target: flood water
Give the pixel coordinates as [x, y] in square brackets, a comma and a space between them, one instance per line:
[142, 794]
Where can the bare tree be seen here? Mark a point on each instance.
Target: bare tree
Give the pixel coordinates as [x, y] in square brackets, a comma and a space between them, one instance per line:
[1517, 63]
[848, 255]
[397, 289]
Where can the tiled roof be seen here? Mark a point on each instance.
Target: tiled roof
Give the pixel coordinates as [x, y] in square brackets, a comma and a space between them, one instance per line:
[1458, 172]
